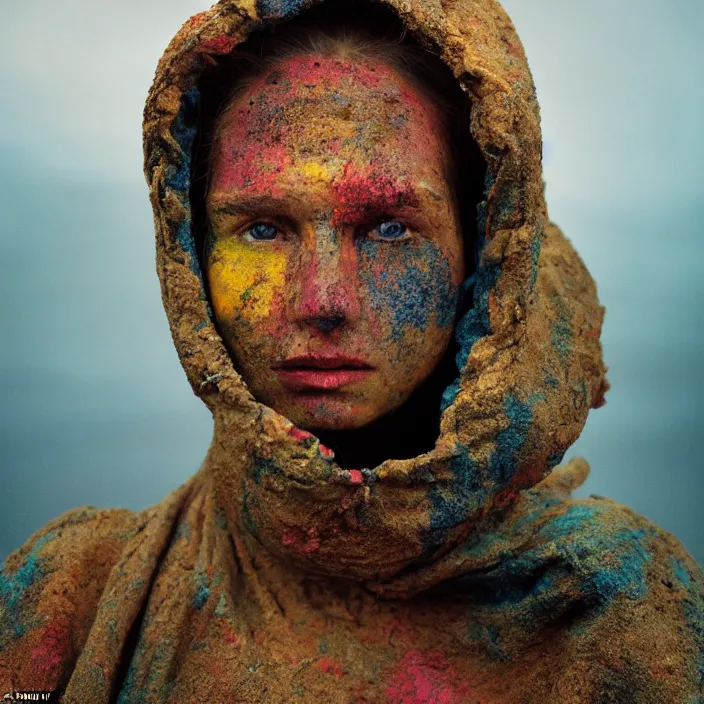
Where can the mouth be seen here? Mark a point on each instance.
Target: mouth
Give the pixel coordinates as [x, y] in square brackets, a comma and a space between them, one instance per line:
[322, 373]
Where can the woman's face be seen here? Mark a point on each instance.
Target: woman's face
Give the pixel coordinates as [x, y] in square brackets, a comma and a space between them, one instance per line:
[335, 254]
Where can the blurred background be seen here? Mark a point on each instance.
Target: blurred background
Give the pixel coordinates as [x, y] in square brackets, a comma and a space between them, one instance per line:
[95, 407]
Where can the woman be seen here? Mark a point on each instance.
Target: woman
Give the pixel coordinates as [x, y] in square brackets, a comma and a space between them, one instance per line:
[376, 519]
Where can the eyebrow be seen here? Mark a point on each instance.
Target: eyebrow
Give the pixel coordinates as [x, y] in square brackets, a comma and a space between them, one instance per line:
[246, 203]
[370, 195]
[356, 200]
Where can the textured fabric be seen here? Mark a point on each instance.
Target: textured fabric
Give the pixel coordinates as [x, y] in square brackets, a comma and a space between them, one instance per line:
[466, 574]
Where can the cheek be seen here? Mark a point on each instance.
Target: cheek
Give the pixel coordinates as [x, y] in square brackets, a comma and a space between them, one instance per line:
[410, 290]
[245, 284]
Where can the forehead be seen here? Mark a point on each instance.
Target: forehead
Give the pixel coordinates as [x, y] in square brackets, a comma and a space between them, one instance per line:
[324, 114]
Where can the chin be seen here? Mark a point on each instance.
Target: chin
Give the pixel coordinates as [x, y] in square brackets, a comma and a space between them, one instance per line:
[315, 413]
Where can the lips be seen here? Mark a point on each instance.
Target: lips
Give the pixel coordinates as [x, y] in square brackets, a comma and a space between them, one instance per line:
[325, 373]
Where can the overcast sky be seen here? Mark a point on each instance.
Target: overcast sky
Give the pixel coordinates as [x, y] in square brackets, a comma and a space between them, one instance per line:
[95, 407]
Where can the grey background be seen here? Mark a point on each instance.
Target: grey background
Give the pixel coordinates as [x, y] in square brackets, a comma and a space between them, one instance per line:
[95, 407]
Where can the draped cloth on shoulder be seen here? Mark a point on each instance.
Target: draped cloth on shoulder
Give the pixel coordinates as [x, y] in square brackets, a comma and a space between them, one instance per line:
[466, 574]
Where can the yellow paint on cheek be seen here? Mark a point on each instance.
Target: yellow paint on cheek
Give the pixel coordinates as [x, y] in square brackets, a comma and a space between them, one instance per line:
[244, 277]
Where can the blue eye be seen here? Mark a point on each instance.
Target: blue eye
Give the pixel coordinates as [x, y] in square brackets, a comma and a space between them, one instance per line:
[391, 230]
[262, 231]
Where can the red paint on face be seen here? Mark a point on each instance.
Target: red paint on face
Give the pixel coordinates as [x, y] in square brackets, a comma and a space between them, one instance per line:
[309, 70]
[275, 122]
[323, 150]
[361, 194]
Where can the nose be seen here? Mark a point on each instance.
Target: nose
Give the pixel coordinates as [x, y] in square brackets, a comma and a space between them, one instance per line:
[326, 324]
[327, 296]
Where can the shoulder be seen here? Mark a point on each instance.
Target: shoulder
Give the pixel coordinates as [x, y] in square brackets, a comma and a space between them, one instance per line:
[68, 542]
[601, 536]
[643, 590]
[49, 591]
[647, 598]
[611, 549]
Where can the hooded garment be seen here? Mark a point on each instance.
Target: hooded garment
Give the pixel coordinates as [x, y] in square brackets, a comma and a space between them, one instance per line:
[466, 574]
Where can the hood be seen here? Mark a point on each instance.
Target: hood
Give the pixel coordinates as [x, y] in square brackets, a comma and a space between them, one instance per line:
[529, 361]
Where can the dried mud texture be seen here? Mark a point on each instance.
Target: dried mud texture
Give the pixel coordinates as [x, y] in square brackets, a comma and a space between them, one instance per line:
[467, 574]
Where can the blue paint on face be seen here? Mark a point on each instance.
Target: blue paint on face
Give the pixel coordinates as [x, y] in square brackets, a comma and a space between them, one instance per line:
[414, 286]
[13, 588]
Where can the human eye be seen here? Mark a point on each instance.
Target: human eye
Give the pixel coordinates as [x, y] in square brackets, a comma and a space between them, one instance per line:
[260, 232]
[390, 230]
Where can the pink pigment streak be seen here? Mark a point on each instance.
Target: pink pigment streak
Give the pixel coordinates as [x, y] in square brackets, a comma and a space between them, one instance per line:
[302, 541]
[325, 451]
[54, 647]
[356, 477]
[425, 678]
[358, 194]
[331, 667]
[333, 71]
[298, 434]
[218, 45]
[256, 166]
